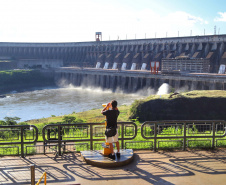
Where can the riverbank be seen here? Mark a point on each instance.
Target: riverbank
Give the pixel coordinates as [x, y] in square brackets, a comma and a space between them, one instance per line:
[192, 105]
[90, 116]
[17, 80]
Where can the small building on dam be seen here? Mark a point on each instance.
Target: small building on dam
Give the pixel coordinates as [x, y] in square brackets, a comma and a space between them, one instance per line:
[193, 61]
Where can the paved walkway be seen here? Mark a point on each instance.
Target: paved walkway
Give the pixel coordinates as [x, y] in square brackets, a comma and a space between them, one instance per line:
[194, 167]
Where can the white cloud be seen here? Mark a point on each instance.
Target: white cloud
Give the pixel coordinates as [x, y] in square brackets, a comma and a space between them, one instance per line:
[222, 17]
[72, 21]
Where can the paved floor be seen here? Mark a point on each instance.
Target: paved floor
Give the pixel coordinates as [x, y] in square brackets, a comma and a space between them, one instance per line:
[182, 167]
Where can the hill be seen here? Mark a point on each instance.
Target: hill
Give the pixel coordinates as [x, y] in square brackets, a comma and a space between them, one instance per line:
[193, 105]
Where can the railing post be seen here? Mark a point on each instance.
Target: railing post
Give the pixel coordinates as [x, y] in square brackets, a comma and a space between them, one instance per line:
[32, 167]
[44, 147]
[59, 140]
[122, 143]
[22, 141]
[155, 135]
[91, 137]
[213, 138]
[184, 143]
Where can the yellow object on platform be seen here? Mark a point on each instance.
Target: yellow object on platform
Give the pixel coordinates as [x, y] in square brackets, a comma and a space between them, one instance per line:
[43, 175]
[106, 151]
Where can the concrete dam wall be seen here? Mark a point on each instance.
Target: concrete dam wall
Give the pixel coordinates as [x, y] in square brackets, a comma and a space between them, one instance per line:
[132, 82]
[138, 51]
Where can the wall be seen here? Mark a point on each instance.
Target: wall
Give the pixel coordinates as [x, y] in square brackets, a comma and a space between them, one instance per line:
[132, 82]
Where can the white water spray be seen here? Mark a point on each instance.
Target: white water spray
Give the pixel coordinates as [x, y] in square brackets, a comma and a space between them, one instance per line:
[164, 89]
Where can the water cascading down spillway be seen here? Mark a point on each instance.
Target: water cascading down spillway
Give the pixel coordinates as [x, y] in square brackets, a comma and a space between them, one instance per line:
[124, 66]
[133, 67]
[106, 65]
[115, 65]
[143, 67]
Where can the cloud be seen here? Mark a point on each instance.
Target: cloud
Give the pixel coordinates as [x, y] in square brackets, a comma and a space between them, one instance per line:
[222, 17]
[70, 21]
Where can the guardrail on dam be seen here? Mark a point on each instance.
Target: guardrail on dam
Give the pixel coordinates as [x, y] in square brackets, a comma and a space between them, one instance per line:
[138, 51]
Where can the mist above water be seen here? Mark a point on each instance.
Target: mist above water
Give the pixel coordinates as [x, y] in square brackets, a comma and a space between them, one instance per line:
[44, 103]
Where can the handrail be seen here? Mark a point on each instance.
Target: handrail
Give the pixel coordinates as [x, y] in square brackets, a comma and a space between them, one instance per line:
[21, 138]
[184, 126]
[59, 140]
[92, 132]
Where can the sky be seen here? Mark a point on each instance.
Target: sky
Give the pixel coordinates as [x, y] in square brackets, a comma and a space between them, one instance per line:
[78, 20]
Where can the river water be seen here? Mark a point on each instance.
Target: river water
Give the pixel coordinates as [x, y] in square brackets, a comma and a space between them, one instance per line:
[42, 103]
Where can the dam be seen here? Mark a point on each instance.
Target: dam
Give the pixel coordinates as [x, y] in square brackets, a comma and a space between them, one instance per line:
[192, 62]
[133, 81]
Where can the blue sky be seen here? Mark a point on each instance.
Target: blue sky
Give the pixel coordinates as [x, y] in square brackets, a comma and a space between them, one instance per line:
[78, 20]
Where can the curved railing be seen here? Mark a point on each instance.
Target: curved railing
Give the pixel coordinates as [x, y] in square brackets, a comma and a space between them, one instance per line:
[183, 131]
[13, 135]
[84, 134]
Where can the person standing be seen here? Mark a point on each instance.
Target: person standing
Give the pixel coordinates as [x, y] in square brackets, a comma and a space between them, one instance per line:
[111, 133]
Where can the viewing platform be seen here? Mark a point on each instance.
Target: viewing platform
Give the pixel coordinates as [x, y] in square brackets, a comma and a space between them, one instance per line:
[162, 168]
[96, 158]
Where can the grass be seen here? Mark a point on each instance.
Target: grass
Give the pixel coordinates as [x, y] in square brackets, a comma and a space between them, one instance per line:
[90, 116]
[94, 116]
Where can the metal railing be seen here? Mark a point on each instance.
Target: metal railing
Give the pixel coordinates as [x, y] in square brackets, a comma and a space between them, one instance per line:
[17, 135]
[84, 134]
[180, 131]
[58, 138]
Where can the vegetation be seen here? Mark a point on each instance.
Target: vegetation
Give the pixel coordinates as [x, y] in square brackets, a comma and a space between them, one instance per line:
[16, 78]
[153, 107]
[193, 105]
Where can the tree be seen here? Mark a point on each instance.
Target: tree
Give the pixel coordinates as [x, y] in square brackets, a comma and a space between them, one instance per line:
[2, 122]
[11, 120]
[69, 119]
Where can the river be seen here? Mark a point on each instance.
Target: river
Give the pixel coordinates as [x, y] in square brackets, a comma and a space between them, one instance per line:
[46, 102]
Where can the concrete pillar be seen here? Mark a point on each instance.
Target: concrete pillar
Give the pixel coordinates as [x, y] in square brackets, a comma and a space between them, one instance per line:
[148, 83]
[212, 86]
[177, 84]
[130, 84]
[214, 46]
[207, 47]
[200, 47]
[186, 47]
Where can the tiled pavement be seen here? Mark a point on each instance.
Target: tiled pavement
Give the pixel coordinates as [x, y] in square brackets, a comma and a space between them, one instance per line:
[196, 167]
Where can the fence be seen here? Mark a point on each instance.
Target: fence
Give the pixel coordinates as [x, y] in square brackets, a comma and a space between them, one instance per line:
[182, 133]
[87, 135]
[15, 137]
[58, 138]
